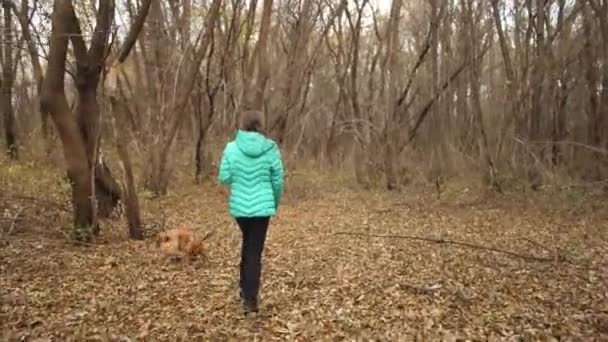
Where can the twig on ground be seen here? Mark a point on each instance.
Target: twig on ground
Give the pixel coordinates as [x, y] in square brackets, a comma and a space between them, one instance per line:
[451, 242]
[13, 222]
[10, 230]
[594, 184]
[556, 252]
[208, 235]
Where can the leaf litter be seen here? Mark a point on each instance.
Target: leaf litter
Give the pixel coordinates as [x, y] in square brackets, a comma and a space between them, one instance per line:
[319, 284]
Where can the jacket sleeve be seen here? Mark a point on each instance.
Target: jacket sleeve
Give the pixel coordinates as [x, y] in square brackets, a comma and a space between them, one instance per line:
[225, 172]
[277, 175]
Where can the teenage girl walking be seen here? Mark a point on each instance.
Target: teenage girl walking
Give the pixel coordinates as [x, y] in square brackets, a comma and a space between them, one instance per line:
[252, 167]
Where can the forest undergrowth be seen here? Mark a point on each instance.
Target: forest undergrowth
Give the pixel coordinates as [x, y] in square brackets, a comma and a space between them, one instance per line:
[340, 263]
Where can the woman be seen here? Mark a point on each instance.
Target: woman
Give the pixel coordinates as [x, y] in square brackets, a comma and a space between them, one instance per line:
[251, 165]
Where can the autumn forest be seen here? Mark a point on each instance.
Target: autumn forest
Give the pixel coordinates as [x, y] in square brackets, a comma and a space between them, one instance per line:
[446, 167]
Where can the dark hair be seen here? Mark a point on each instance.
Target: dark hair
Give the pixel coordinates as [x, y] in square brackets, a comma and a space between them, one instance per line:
[253, 121]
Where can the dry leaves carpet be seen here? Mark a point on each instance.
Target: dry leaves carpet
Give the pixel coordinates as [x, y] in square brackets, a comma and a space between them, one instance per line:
[318, 285]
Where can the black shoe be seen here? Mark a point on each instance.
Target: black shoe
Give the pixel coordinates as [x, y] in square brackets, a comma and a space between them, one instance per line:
[250, 306]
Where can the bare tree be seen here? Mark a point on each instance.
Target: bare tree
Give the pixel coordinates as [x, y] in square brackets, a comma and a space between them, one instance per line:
[162, 92]
[55, 102]
[254, 92]
[420, 90]
[119, 120]
[24, 22]
[92, 184]
[471, 19]
[597, 80]
[390, 128]
[6, 83]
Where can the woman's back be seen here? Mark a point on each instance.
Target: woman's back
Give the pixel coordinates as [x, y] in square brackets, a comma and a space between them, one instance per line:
[251, 165]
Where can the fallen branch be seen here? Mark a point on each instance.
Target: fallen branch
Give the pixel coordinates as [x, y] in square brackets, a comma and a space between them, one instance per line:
[537, 244]
[13, 222]
[457, 243]
[10, 230]
[595, 184]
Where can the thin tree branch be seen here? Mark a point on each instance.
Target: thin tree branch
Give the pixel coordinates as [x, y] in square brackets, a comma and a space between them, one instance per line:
[27, 36]
[425, 110]
[99, 41]
[75, 35]
[134, 31]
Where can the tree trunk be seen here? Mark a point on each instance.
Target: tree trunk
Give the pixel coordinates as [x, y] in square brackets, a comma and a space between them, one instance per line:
[559, 121]
[254, 92]
[600, 9]
[7, 82]
[128, 184]
[475, 70]
[360, 142]
[448, 102]
[120, 122]
[511, 113]
[437, 138]
[199, 151]
[107, 190]
[54, 101]
[204, 114]
[592, 76]
[390, 126]
[537, 87]
[89, 64]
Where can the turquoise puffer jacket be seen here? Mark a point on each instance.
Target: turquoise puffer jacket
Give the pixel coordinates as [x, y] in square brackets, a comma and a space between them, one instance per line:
[251, 165]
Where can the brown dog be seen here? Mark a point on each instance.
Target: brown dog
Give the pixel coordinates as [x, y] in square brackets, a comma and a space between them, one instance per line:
[181, 242]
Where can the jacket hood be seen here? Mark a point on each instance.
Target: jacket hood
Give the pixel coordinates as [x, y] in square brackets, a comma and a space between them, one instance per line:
[252, 144]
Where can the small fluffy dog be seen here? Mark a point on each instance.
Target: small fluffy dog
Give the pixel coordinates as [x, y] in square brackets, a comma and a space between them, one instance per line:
[181, 242]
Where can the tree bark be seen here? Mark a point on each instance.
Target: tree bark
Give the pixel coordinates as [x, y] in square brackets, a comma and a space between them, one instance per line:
[134, 31]
[128, 183]
[511, 91]
[204, 114]
[437, 137]
[592, 74]
[89, 65]
[600, 8]
[390, 127]
[262, 59]
[360, 141]
[54, 101]
[537, 110]
[475, 71]
[7, 82]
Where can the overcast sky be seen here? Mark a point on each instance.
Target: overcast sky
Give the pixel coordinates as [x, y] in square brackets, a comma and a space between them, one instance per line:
[384, 5]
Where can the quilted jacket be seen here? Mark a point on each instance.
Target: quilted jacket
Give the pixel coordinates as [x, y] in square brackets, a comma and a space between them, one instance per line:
[251, 165]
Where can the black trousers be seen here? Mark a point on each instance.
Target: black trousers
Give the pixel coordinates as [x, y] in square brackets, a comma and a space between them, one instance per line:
[254, 235]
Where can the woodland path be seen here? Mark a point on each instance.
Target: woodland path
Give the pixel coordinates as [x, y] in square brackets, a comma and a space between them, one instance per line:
[318, 285]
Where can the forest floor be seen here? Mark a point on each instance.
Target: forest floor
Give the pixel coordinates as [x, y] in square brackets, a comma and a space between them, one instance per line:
[549, 281]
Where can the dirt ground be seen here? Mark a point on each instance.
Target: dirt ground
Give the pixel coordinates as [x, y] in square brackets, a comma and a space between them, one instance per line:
[547, 278]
